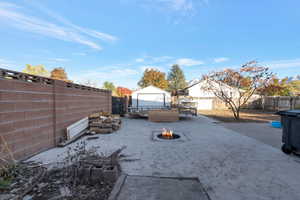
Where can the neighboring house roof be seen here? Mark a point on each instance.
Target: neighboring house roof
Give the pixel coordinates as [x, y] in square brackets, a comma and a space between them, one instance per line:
[193, 83]
[190, 84]
[124, 91]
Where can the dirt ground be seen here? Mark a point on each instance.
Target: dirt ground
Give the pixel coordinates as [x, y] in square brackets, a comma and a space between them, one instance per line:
[246, 115]
[83, 175]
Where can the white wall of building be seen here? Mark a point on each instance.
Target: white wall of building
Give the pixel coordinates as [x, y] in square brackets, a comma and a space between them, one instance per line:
[204, 98]
[204, 104]
[197, 91]
[151, 97]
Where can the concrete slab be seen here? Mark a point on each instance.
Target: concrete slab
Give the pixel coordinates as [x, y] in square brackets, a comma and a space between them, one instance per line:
[155, 188]
[262, 132]
[229, 165]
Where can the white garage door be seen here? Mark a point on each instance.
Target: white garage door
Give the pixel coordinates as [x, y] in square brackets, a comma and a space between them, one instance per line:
[205, 104]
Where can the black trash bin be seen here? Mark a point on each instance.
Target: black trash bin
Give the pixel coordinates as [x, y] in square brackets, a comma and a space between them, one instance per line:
[290, 121]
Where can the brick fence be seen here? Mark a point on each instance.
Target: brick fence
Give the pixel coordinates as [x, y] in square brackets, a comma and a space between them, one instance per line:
[34, 111]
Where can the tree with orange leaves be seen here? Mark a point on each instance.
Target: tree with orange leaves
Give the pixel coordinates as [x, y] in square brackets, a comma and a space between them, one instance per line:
[153, 77]
[59, 74]
[236, 86]
[277, 87]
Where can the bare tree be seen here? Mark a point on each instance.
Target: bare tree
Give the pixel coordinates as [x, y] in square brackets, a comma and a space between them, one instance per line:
[236, 86]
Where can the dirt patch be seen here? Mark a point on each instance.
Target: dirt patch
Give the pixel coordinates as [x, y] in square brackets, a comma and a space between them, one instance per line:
[83, 175]
[246, 116]
[19, 179]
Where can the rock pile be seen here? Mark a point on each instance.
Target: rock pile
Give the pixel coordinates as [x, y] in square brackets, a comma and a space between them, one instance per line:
[103, 123]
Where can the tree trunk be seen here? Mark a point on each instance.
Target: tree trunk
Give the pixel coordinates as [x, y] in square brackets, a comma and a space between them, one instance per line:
[235, 111]
[237, 114]
[263, 102]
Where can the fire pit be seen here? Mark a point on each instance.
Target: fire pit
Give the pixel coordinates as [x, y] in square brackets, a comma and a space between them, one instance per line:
[165, 135]
[168, 134]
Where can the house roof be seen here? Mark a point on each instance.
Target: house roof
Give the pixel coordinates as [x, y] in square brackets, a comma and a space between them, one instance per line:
[193, 83]
[197, 82]
[150, 89]
[124, 91]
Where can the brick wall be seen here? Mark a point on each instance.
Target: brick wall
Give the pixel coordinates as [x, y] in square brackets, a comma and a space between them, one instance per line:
[72, 104]
[35, 111]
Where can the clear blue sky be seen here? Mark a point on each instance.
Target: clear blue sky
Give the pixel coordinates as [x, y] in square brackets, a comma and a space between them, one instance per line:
[116, 40]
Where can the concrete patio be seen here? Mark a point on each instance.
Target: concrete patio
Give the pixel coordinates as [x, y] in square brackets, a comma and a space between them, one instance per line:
[262, 132]
[228, 165]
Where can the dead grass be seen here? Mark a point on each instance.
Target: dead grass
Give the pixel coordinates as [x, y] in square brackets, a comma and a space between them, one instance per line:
[246, 115]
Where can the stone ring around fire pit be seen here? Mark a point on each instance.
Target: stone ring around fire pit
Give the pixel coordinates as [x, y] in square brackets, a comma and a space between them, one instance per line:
[167, 135]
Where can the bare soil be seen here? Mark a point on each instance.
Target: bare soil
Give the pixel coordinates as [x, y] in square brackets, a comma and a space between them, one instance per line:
[245, 116]
[84, 175]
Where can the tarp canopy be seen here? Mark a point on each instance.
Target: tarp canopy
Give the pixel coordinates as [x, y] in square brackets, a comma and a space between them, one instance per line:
[151, 97]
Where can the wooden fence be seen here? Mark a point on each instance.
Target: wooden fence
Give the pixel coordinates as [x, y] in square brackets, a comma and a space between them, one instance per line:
[279, 103]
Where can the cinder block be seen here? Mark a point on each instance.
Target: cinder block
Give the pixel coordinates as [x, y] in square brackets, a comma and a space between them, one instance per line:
[7, 127]
[23, 106]
[7, 84]
[7, 107]
[28, 119]
[11, 116]
[38, 113]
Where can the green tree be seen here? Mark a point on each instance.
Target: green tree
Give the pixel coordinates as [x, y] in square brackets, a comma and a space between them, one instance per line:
[38, 70]
[109, 86]
[176, 79]
[153, 77]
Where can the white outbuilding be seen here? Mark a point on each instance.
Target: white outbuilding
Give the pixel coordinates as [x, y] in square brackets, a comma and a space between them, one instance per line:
[151, 97]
